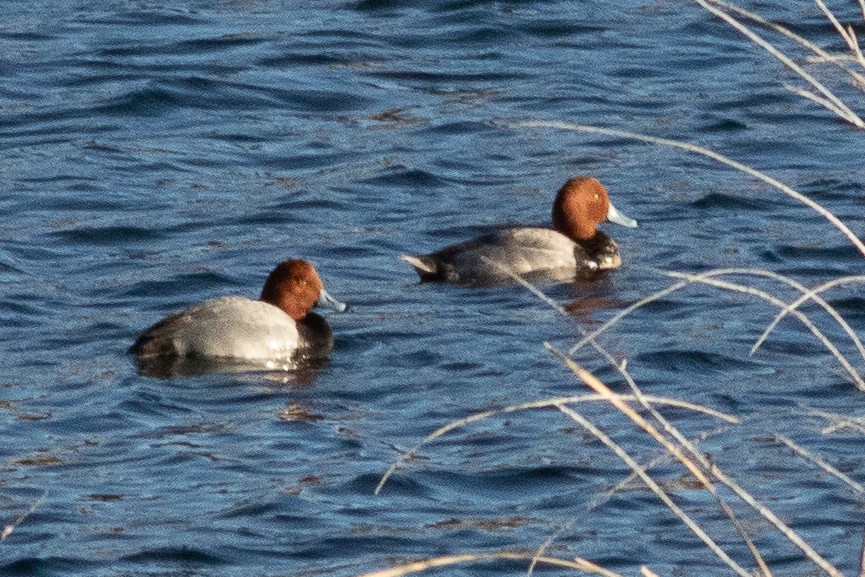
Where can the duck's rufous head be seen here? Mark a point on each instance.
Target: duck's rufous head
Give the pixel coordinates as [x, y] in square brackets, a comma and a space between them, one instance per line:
[581, 205]
[295, 287]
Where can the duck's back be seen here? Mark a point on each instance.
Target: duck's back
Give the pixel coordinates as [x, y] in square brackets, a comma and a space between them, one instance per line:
[520, 250]
[234, 326]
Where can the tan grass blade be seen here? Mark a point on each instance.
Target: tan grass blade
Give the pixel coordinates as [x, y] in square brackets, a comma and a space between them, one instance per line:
[802, 451]
[553, 402]
[829, 345]
[674, 432]
[811, 294]
[706, 278]
[621, 485]
[847, 35]
[838, 422]
[858, 79]
[534, 290]
[621, 367]
[444, 561]
[8, 529]
[836, 222]
[713, 469]
[839, 107]
[652, 485]
[671, 448]
[813, 98]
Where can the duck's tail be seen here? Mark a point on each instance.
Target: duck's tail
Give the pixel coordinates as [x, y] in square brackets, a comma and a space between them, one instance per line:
[425, 265]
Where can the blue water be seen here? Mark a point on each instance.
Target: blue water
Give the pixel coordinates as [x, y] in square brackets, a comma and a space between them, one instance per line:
[157, 154]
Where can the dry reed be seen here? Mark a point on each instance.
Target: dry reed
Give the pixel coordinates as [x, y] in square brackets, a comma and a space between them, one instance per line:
[823, 95]
[10, 528]
[659, 428]
[415, 567]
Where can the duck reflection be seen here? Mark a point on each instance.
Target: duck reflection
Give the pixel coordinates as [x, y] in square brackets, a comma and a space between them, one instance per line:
[297, 372]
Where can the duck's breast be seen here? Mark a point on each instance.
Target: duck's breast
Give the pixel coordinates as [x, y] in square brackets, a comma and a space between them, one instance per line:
[233, 326]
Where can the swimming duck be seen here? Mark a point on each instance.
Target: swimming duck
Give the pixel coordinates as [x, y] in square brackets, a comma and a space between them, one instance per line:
[572, 248]
[279, 326]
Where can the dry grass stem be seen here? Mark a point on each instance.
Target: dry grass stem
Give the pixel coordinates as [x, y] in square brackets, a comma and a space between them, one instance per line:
[851, 371]
[545, 403]
[802, 451]
[845, 230]
[418, 566]
[838, 422]
[807, 94]
[661, 458]
[770, 516]
[813, 294]
[596, 385]
[8, 529]
[858, 79]
[646, 572]
[706, 278]
[834, 103]
[674, 432]
[854, 41]
[713, 470]
[848, 35]
[668, 427]
[655, 488]
[532, 288]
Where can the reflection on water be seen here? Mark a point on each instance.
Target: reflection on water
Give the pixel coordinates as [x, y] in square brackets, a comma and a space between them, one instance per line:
[299, 371]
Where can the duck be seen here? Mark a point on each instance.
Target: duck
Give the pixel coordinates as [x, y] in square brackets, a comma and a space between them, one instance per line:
[572, 248]
[279, 326]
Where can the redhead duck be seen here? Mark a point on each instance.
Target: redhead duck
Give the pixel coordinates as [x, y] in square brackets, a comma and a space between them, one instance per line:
[277, 327]
[573, 247]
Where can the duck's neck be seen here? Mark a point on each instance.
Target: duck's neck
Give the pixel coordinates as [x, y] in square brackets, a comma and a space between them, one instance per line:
[315, 332]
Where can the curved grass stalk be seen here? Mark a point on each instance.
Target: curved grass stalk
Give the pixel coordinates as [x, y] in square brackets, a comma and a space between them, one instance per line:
[812, 293]
[674, 450]
[807, 294]
[444, 561]
[705, 278]
[834, 220]
[597, 501]
[621, 485]
[655, 488]
[553, 402]
[838, 422]
[858, 79]
[849, 36]
[596, 385]
[683, 441]
[838, 107]
[802, 451]
[830, 346]
[808, 95]
[668, 427]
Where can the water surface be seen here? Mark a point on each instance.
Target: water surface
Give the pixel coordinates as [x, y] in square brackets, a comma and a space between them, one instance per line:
[158, 154]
